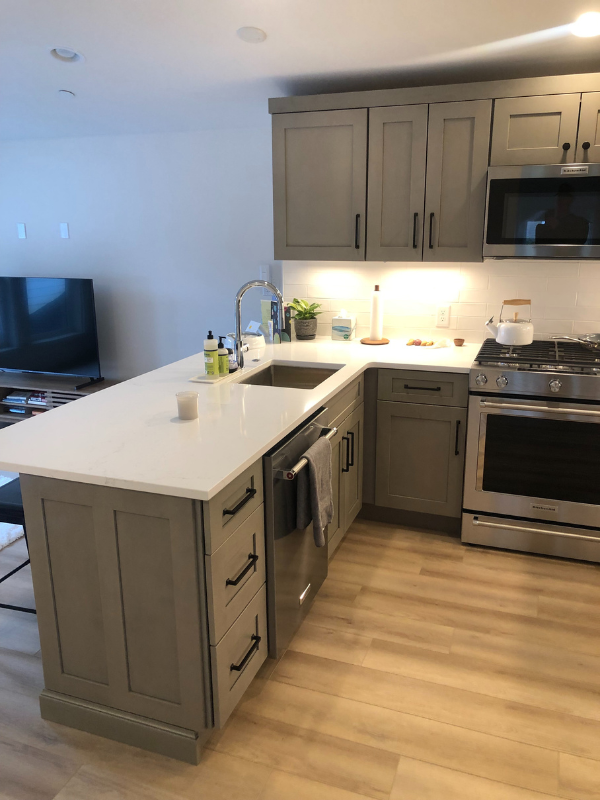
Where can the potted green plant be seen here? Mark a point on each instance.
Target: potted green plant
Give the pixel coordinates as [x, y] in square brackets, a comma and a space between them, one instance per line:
[305, 318]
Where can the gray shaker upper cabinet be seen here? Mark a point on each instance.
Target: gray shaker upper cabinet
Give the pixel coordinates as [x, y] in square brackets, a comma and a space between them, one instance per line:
[588, 140]
[397, 161]
[320, 185]
[535, 130]
[457, 161]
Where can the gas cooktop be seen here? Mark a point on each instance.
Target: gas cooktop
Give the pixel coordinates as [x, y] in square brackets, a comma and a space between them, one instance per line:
[550, 355]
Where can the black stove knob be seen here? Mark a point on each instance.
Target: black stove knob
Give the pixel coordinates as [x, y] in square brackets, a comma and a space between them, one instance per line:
[481, 379]
[502, 381]
[555, 385]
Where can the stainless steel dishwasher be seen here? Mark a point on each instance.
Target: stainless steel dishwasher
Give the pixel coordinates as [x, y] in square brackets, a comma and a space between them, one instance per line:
[296, 568]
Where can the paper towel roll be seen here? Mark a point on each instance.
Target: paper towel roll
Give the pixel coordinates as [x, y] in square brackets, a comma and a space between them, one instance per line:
[376, 315]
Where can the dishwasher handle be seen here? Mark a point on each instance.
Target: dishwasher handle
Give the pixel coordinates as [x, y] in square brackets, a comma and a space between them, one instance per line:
[290, 474]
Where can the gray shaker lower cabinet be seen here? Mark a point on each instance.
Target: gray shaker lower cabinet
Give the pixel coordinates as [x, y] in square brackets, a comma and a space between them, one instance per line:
[420, 457]
[119, 580]
[347, 475]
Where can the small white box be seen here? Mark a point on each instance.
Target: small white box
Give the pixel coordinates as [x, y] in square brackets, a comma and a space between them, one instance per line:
[343, 329]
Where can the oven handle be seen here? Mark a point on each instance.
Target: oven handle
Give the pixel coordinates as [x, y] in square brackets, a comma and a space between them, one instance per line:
[546, 409]
[520, 529]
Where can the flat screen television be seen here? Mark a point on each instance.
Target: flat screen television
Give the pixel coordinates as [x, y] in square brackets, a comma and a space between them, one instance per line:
[48, 325]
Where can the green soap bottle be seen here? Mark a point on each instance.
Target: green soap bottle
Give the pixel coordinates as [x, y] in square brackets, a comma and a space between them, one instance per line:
[223, 357]
[211, 356]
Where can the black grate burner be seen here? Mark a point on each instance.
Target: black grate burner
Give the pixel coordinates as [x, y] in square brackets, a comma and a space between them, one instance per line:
[540, 353]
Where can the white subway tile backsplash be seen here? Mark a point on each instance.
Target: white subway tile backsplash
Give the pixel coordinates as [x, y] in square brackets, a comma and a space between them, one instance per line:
[565, 295]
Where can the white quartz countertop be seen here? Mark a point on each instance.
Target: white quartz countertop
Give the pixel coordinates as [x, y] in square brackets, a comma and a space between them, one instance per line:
[128, 436]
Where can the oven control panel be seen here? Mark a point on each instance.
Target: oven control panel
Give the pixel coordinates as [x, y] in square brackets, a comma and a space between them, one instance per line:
[498, 379]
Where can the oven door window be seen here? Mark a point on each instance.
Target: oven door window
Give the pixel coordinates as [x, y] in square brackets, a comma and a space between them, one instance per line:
[555, 459]
[544, 211]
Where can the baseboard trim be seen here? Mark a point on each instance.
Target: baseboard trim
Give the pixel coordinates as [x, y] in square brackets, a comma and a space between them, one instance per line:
[121, 726]
[411, 519]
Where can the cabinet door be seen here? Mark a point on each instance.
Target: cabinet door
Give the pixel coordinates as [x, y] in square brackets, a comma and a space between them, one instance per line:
[420, 457]
[335, 531]
[320, 185]
[457, 160]
[535, 130]
[352, 466]
[588, 139]
[397, 159]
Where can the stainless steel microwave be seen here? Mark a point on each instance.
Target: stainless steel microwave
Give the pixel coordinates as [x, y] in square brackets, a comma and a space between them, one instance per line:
[545, 211]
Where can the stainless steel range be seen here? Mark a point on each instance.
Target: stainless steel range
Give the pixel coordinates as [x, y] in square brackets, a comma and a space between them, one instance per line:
[532, 477]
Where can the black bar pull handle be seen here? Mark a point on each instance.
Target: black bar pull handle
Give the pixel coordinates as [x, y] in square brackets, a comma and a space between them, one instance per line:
[247, 497]
[351, 459]
[586, 146]
[456, 440]
[431, 216]
[566, 146]
[415, 223]
[252, 559]
[357, 232]
[347, 467]
[254, 647]
[423, 388]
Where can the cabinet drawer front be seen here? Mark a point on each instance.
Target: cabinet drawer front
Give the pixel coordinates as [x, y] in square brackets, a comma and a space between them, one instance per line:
[346, 401]
[238, 657]
[234, 573]
[431, 388]
[231, 506]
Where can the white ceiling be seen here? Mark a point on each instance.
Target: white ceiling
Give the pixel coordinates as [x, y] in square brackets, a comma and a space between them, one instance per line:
[160, 65]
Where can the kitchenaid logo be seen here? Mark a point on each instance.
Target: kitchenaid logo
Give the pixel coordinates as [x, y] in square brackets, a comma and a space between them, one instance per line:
[540, 507]
[574, 170]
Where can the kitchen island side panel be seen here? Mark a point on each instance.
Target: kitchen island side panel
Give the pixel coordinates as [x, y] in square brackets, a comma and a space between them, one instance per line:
[116, 580]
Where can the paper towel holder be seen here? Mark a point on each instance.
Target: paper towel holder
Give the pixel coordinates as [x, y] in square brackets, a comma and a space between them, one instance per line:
[376, 328]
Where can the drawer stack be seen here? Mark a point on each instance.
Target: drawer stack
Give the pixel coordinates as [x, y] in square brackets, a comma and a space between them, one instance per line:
[234, 544]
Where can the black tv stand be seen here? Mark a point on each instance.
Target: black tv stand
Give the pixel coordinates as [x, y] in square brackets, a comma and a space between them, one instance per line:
[89, 382]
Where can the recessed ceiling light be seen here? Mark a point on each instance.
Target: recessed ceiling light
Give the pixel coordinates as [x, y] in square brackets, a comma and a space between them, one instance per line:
[66, 54]
[587, 25]
[66, 93]
[252, 35]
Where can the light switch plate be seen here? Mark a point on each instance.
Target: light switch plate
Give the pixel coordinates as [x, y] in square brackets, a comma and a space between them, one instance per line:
[64, 230]
[442, 317]
[21, 231]
[264, 273]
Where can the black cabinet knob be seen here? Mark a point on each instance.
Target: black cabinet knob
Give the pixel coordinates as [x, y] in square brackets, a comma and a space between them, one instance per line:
[567, 146]
[585, 146]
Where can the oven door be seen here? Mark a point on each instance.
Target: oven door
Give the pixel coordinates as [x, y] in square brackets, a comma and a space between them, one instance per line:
[537, 459]
[543, 211]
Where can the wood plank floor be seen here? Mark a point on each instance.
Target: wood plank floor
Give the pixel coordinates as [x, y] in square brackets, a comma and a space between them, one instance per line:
[425, 671]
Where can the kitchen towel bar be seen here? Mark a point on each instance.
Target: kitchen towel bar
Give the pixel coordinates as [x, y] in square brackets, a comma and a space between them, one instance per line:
[290, 474]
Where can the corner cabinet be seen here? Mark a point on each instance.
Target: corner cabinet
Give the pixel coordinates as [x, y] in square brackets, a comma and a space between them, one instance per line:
[421, 427]
[320, 185]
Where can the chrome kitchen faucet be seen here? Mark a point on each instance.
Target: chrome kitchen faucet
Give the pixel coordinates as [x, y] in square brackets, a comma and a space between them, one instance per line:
[239, 350]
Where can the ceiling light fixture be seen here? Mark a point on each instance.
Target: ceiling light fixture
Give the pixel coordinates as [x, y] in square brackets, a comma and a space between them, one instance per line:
[251, 35]
[66, 54]
[587, 25]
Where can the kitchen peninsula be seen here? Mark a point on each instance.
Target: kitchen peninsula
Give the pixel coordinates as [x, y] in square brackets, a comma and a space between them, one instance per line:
[131, 513]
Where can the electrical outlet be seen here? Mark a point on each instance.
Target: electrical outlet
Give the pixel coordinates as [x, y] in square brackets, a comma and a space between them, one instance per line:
[264, 273]
[442, 318]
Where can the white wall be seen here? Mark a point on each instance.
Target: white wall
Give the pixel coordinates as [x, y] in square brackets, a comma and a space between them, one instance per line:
[168, 226]
[565, 295]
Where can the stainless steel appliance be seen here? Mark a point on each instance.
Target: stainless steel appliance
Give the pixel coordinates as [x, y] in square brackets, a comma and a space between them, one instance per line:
[532, 477]
[296, 568]
[547, 211]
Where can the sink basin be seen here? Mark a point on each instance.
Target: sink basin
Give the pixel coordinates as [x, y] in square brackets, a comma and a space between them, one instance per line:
[290, 376]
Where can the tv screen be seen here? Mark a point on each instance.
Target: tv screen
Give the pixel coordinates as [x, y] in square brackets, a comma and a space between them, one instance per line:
[48, 325]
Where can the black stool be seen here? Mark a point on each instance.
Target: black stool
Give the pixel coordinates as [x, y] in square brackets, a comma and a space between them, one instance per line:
[11, 511]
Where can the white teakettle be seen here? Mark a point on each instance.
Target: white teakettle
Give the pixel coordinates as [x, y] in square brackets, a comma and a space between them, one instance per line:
[512, 331]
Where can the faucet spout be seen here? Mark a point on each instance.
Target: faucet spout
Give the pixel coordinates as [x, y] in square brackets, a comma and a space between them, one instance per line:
[238, 312]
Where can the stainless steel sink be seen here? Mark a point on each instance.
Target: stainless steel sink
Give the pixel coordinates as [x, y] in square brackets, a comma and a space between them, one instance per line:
[290, 376]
